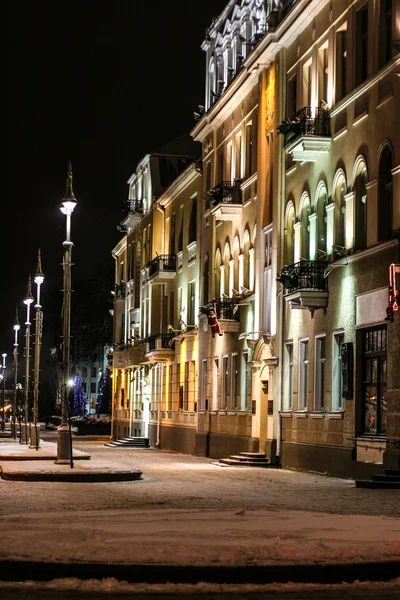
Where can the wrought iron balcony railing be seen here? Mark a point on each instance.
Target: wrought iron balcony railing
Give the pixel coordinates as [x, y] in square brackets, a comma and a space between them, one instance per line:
[120, 290]
[307, 121]
[227, 308]
[160, 341]
[133, 207]
[163, 262]
[225, 192]
[304, 275]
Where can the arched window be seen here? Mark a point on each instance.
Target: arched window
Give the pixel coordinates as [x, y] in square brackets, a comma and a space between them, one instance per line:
[236, 249]
[360, 217]
[206, 279]
[227, 258]
[340, 214]
[305, 229]
[385, 195]
[289, 242]
[246, 260]
[217, 274]
[321, 222]
[211, 82]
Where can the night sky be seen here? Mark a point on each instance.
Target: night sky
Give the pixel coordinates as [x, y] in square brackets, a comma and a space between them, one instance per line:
[101, 84]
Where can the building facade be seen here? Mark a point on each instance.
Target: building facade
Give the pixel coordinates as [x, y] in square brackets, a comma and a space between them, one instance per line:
[253, 308]
[155, 272]
[341, 219]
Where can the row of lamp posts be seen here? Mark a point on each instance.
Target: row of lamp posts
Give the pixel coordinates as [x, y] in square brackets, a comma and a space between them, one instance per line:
[29, 431]
[64, 440]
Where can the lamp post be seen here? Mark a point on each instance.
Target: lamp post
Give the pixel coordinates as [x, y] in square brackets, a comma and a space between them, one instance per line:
[38, 279]
[28, 301]
[64, 441]
[16, 328]
[4, 391]
[2, 401]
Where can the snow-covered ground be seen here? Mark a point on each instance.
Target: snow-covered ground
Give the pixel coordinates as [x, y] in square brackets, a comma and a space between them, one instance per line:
[189, 511]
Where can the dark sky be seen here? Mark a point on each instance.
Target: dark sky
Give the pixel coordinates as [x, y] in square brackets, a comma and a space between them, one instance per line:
[100, 83]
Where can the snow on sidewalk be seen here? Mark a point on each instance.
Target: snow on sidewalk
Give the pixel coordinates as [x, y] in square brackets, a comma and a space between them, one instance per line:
[199, 537]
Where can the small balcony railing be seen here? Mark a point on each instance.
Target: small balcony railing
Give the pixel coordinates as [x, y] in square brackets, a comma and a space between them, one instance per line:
[133, 207]
[120, 291]
[225, 192]
[227, 308]
[164, 262]
[307, 121]
[160, 341]
[304, 275]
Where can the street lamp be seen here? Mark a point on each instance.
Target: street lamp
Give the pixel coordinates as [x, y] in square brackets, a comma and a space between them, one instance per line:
[38, 279]
[16, 328]
[28, 301]
[64, 440]
[4, 391]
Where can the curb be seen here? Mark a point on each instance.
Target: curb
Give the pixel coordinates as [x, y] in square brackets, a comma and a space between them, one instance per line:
[73, 477]
[335, 573]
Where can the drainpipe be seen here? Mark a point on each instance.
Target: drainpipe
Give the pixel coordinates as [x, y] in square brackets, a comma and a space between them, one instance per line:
[281, 197]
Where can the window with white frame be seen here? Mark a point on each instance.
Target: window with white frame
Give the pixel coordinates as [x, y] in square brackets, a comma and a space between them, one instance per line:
[225, 383]
[288, 377]
[341, 62]
[320, 369]
[305, 230]
[215, 383]
[337, 377]
[323, 74]
[303, 374]
[244, 381]
[307, 83]
[321, 223]
[234, 403]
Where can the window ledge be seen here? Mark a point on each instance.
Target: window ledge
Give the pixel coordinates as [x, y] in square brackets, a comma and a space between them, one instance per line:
[286, 414]
[301, 414]
[335, 414]
[317, 414]
[360, 117]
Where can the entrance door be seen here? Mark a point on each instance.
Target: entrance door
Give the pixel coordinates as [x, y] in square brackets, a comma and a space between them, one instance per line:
[374, 381]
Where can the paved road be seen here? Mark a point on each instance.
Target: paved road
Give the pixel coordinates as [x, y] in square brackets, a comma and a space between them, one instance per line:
[181, 481]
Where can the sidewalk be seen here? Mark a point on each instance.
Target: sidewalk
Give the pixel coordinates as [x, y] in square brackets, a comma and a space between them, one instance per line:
[18, 462]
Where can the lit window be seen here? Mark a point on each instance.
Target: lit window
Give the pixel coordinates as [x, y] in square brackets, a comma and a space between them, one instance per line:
[320, 368]
[288, 381]
[303, 374]
[337, 377]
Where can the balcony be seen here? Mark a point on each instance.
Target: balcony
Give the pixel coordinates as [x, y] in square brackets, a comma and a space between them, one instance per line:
[128, 355]
[120, 291]
[225, 200]
[307, 134]
[160, 347]
[161, 269]
[133, 210]
[305, 285]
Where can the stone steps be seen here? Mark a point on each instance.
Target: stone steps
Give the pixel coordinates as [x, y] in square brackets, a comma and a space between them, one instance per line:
[246, 459]
[129, 442]
[390, 480]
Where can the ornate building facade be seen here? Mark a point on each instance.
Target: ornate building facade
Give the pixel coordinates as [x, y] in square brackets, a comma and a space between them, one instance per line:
[256, 314]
